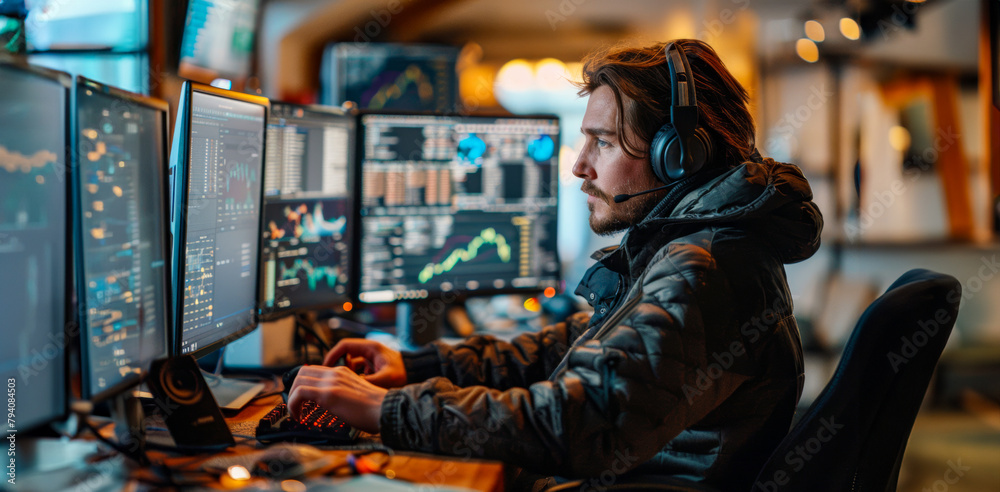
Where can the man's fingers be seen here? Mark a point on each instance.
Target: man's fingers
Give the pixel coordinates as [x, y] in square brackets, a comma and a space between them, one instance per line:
[353, 346]
[342, 348]
[298, 396]
[359, 365]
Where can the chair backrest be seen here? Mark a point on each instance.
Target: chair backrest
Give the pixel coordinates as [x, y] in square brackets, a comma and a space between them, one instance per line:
[853, 436]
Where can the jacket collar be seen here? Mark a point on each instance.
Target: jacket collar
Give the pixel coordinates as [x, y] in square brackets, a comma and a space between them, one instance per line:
[762, 194]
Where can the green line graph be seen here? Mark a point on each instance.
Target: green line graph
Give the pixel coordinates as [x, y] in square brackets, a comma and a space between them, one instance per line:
[471, 251]
[314, 275]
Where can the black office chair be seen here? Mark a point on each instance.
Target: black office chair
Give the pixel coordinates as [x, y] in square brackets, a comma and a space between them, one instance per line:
[853, 436]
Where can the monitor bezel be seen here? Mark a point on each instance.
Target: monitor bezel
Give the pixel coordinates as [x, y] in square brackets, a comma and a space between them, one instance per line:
[461, 293]
[179, 214]
[70, 330]
[163, 108]
[351, 294]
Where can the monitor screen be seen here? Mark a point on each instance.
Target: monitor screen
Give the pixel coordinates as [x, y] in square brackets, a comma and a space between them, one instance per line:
[386, 76]
[121, 157]
[307, 209]
[218, 39]
[217, 234]
[33, 231]
[457, 203]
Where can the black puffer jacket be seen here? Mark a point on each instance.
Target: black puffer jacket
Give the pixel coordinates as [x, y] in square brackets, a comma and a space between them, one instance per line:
[691, 365]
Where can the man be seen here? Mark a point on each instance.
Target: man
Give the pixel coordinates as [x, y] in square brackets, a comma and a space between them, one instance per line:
[690, 365]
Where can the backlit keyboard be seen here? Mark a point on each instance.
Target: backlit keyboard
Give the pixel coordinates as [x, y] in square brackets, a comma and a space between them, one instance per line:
[315, 425]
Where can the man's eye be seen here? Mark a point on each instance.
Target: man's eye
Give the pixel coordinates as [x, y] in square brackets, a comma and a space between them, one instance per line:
[603, 143]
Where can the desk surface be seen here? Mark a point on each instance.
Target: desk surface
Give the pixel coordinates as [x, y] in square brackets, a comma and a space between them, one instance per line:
[324, 465]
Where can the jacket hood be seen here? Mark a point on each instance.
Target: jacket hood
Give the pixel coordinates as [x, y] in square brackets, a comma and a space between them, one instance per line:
[767, 198]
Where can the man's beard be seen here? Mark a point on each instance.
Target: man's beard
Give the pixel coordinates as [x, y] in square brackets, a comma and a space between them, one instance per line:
[622, 215]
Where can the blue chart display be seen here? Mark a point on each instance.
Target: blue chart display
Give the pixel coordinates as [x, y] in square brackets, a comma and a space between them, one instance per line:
[222, 229]
[305, 252]
[32, 241]
[457, 203]
[120, 151]
[471, 148]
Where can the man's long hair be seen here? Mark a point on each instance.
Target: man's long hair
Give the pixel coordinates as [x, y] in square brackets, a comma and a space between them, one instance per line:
[640, 81]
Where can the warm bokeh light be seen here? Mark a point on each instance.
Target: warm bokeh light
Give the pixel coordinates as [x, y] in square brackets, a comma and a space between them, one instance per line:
[807, 50]
[814, 31]
[532, 304]
[475, 86]
[237, 472]
[293, 486]
[849, 28]
[348, 306]
[551, 74]
[550, 292]
[575, 71]
[516, 75]
[899, 138]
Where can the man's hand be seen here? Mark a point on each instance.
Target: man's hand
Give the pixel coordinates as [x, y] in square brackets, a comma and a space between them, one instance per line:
[380, 365]
[340, 391]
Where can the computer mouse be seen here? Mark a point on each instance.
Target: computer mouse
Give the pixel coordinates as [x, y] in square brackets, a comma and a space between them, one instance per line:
[287, 380]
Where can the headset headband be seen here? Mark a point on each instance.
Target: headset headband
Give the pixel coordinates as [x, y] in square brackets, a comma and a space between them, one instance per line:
[684, 104]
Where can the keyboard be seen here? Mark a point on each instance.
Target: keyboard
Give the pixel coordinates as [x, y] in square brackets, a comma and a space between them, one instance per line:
[314, 426]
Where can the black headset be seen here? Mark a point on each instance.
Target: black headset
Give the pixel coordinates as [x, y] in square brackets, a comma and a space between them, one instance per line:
[680, 147]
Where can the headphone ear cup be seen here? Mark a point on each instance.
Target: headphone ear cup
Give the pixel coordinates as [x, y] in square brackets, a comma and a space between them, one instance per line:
[699, 147]
[658, 159]
[702, 152]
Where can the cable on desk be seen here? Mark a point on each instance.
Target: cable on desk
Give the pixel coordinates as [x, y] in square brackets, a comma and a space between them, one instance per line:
[139, 457]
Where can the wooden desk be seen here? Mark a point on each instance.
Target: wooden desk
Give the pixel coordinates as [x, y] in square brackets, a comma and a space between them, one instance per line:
[418, 468]
[113, 472]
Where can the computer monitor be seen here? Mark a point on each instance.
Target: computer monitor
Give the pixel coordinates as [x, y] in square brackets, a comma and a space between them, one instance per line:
[33, 241]
[121, 208]
[390, 76]
[463, 204]
[305, 253]
[217, 159]
[218, 39]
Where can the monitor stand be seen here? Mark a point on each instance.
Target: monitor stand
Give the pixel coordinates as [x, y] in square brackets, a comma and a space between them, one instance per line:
[230, 394]
[419, 322]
